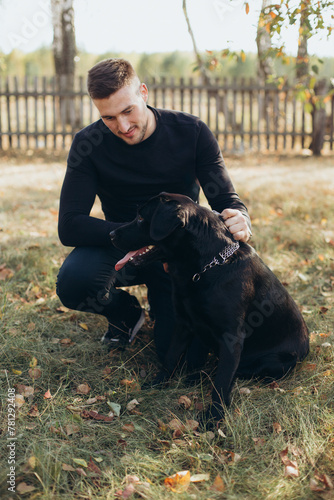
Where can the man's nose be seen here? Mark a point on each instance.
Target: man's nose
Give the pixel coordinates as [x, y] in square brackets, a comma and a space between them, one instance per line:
[123, 125]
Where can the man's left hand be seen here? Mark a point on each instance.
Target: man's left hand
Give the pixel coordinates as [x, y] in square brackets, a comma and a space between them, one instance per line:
[237, 224]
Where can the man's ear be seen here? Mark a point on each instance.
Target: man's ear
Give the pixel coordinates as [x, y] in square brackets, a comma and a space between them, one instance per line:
[165, 220]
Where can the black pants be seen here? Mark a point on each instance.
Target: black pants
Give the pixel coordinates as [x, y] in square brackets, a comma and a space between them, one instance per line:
[87, 281]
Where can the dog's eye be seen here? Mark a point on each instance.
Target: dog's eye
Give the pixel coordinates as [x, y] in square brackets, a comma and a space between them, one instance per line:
[140, 219]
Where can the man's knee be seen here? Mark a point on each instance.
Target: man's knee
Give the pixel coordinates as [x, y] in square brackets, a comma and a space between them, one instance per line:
[68, 289]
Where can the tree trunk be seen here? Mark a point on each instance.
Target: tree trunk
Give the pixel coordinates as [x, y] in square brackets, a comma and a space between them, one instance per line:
[319, 118]
[64, 51]
[263, 41]
[302, 62]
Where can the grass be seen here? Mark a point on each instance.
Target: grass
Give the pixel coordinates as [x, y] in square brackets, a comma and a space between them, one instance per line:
[291, 204]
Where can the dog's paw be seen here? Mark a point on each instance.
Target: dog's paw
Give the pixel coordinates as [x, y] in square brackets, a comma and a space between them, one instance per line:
[193, 379]
[158, 382]
[209, 420]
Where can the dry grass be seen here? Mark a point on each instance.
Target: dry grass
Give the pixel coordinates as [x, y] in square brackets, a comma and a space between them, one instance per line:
[291, 204]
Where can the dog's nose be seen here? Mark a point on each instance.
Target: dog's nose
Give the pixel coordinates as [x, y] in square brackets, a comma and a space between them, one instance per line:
[112, 235]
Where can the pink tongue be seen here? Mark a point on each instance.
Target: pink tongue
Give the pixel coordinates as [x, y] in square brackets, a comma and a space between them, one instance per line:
[121, 263]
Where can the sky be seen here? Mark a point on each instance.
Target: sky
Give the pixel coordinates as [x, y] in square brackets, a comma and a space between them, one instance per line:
[144, 26]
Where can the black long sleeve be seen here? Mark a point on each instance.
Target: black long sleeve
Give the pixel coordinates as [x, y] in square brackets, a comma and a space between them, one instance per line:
[181, 154]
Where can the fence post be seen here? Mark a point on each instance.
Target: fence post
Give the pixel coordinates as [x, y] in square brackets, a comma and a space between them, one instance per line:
[318, 118]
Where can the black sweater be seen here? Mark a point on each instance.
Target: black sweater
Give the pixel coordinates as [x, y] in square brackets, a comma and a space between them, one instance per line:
[181, 152]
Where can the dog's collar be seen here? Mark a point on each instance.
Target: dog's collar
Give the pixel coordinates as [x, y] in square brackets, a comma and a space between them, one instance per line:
[224, 255]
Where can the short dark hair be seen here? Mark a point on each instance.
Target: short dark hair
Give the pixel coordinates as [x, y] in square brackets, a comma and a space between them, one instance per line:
[108, 76]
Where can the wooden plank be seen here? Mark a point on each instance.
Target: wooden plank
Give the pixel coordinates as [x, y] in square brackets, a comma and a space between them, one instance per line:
[44, 110]
[182, 93]
[250, 97]
[26, 102]
[9, 124]
[16, 90]
[54, 110]
[0, 113]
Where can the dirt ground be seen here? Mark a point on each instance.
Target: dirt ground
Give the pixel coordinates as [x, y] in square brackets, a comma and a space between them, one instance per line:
[47, 172]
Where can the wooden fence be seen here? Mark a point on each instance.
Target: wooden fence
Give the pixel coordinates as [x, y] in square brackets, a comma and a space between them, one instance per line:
[244, 116]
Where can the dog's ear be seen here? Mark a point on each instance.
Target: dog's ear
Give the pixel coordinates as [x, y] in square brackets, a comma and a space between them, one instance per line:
[165, 220]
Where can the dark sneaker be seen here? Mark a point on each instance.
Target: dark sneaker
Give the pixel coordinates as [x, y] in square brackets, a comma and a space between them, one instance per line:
[120, 333]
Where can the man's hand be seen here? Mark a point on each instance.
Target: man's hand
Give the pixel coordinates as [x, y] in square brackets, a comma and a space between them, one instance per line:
[236, 223]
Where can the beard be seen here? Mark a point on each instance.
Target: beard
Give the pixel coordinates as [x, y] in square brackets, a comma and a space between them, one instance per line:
[140, 132]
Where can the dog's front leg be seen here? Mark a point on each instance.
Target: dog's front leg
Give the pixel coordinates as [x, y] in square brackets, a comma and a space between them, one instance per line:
[180, 340]
[229, 359]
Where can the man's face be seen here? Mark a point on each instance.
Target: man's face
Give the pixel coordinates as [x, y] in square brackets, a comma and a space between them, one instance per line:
[125, 113]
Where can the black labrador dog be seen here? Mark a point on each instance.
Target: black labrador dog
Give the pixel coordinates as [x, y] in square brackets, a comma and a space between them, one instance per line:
[223, 293]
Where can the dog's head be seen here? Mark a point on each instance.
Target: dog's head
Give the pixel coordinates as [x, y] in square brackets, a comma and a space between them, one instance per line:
[163, 223]
[156, 220]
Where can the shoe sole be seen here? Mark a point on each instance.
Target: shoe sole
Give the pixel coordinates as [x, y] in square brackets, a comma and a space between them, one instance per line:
[132, 332]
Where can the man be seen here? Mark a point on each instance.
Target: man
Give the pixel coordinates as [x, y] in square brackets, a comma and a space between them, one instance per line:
[131, 154]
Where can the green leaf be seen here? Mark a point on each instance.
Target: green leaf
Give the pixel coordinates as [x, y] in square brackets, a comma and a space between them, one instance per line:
[80, 461]
[308, 107]
[116, 408]
[315, 69]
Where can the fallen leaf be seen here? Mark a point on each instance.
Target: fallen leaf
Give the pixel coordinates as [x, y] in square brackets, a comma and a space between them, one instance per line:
[273, 385]
[218, 484]
[185, 402]
[95, 416]
[68, 467]
[16, 372]
[179, 482]
[93, 467]
[5, 272]
[47, 395]
[291, 471]
[33, 412]
[35, 373]
[126, 382]
[132, 404]
[83, 389]
[259, 441]
[25, 390]
[310, 366]
[175, 425]
[71, 429]
[81, 472]
[62, 309]
[128, 491]
[116, 408]
[83, 326]
[128, 427]
[80, 461]
[209, 435]
[67, 341]
[23, 488]
[19, 400]
[198, 478]
[130, 478]
[191, 425]
[245, 390]
[33, 363]
[32, 462]
[291, 466]
[277, 427]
